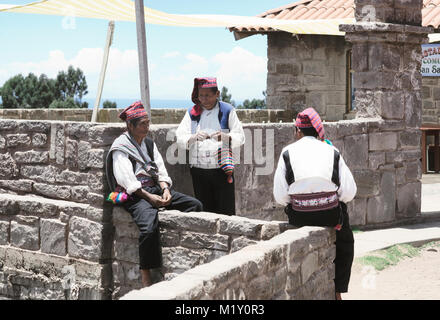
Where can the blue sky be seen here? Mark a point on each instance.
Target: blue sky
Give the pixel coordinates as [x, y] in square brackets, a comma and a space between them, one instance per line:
[43, 44]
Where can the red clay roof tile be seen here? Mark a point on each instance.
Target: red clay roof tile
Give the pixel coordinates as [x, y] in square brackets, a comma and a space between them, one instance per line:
[333, 9]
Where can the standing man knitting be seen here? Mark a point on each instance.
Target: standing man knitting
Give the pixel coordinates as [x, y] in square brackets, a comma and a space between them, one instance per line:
[210, 130]
[136, 172]
[314, 183]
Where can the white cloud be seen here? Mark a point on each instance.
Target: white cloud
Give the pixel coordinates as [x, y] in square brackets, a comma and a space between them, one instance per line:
[122, 74]
[195, 63]
[241, 71]
[172, 54]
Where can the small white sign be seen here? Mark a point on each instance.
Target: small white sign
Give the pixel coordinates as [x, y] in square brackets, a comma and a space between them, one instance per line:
[430, 60]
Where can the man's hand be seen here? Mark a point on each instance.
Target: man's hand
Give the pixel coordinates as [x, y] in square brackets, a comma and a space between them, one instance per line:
[220, 136]
[166, 197]
[156, 200]
[199, 136]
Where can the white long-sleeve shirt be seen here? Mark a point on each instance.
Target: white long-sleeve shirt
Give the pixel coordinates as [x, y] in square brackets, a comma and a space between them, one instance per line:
[312, 165]
[123, 169]
[203, 154]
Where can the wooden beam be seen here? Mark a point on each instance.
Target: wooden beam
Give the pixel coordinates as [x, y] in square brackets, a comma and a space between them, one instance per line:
[110, 31]
[142, 54]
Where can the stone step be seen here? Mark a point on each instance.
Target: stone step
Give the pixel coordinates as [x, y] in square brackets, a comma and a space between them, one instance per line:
[34, 205]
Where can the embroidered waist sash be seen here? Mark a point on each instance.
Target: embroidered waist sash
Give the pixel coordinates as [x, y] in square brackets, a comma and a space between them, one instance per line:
[310, 202]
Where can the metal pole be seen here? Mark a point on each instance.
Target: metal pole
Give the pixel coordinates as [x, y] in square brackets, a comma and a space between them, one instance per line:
[111, 28]
[142, 54]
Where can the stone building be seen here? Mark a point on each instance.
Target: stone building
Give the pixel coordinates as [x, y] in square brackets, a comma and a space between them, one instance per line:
[316, 70]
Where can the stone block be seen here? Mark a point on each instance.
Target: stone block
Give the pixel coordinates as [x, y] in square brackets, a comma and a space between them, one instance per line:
[120, 215]
[204, 241]
[78, 131]
[288, 68]
[413, 171]
[57, 144]
[96, 181]
[53, 191]
[34, 126]
[71, 153]
[40, 173]
[2, 142]
[18, 140]
[435, 93]
[383, 141]
[195, 221]
[240, 226]
[382, 208]
[374, 80]
[80, 193]
[9, 207]
[83, 154]
[126, 251]
[409, 199]
[104, 135]
[309, 265]
[8, 166]
[240, 243]
[25, 233]
[17, 185]
[39, 139]
[413, 110]
[376, 160]
[84, 240]
[352, 127]
[357, 211]
[96, 158]
[39, 157]
[368, 182]
[169, 237]
[179, 259]
[384, 56]
[335, 112]
[356, 151]
[392, 105]
[316, 68]
[71, 177]
[41, 208]
[4, 233]
[270, 230]
[6, 125]
[410, 139]
[53, 237]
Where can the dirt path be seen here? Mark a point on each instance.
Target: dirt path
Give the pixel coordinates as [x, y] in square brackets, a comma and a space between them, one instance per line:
[416, 278]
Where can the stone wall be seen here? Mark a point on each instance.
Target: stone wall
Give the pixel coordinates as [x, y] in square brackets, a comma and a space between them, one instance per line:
[158, 116]
[307, 70]
[188, 240]
[298, 264]
[431, 101]
[53, 215]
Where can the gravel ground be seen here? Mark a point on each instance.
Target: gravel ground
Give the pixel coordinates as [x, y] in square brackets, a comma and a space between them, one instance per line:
[416, 278]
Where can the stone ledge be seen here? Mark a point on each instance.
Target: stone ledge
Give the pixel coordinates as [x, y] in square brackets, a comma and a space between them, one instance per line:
[234, 275]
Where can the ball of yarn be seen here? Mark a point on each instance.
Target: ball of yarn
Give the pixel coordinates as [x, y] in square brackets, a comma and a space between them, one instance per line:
[117, 197]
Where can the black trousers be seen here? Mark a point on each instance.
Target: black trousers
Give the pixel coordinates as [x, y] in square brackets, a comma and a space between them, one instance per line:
[213, 190]
[344, 241]
[147, 219]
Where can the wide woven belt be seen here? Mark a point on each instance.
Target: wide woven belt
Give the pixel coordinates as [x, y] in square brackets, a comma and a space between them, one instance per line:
[314, 201]
[146, 181]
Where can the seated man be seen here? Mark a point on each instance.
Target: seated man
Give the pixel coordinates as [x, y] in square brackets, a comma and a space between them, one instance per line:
[314, 183]
[136, 171]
